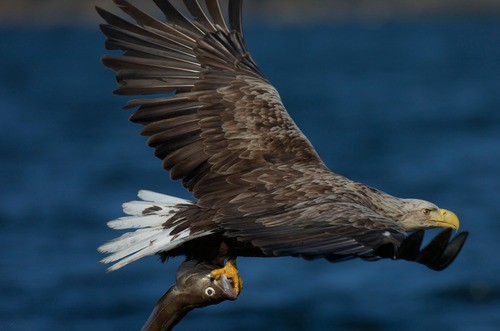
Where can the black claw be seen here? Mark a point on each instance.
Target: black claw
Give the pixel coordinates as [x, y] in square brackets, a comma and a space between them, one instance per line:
[433, 251]
[410, 247]
[450, 253]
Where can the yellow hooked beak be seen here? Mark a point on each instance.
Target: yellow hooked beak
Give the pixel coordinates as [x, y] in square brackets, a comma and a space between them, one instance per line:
[446, 219]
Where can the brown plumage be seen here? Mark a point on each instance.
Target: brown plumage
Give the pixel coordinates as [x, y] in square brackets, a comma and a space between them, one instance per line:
[260, 187]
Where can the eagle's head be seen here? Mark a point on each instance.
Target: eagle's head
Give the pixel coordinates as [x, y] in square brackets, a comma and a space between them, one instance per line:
[420, 214]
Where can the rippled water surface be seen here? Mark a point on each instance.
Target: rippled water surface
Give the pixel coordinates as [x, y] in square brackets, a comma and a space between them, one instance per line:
[410, 108]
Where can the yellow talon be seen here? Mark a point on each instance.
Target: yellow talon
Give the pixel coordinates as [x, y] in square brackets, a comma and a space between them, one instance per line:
[231, 273]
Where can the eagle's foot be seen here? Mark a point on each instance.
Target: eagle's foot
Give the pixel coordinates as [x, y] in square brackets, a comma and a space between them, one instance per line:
[231, 273]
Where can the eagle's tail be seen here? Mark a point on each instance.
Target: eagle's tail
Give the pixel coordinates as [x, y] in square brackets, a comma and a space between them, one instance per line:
[156, 232]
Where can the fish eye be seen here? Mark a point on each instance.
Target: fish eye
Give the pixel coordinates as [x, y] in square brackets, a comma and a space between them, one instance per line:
[426, 211]
[209, 291]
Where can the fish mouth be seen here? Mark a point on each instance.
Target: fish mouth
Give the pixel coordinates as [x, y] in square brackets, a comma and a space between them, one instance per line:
[226, 286]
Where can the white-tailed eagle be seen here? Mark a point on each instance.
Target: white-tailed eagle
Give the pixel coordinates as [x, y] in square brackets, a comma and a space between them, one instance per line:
[259, 187]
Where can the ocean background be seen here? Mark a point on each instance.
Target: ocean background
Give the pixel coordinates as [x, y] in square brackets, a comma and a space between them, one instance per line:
[409, 107]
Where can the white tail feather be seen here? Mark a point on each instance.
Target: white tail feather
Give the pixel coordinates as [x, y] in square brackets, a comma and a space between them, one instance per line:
[163, 198]
[152, 236]
[158, 243]
[133, 222]
[127, 240]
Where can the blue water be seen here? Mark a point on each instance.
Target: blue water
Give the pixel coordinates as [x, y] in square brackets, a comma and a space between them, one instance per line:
[410, 108]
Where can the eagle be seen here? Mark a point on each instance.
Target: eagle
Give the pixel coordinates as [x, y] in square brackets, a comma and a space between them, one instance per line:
[259, 188]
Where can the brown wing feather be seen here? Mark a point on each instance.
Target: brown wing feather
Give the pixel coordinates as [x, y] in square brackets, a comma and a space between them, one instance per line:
[352, 231]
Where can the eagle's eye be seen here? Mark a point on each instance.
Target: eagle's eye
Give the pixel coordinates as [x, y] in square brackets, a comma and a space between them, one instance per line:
[426, 211]
[209, 291]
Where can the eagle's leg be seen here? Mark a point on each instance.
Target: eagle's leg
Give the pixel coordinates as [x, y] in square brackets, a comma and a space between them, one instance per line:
[231, 273]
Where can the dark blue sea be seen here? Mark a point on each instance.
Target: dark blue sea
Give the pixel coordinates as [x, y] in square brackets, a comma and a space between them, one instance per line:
[412, 108]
